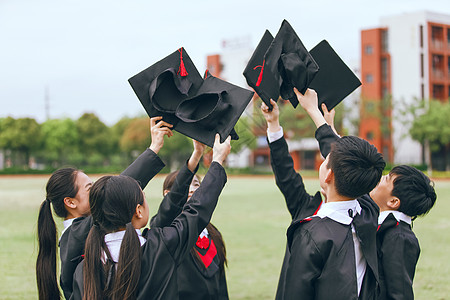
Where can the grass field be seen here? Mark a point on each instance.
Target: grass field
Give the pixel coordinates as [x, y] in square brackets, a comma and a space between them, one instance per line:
[252, 218]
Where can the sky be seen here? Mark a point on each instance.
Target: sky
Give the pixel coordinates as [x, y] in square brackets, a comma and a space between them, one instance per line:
[79, 54]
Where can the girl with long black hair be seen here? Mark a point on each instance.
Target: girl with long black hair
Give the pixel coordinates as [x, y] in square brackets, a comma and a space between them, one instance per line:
[68, 193]
[119, 263]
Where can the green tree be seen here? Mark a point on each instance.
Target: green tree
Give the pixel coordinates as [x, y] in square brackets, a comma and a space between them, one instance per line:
[434, 126]
[60, 140]
[22, 136]
[136, 138]
[95, 141]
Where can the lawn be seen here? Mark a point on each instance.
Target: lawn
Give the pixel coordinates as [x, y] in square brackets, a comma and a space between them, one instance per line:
[252, 218]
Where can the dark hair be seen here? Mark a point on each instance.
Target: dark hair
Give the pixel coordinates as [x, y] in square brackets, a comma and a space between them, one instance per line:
[214, 233]
[170, 179]
[62, 184]
[113, 201]
[357, 166]
[414, 189]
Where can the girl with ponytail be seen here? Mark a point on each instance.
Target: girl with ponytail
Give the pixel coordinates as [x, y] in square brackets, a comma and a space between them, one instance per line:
[68, 193]
[119, 262]
[201, 275]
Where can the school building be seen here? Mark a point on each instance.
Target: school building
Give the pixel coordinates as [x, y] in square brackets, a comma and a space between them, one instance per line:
[405, 59]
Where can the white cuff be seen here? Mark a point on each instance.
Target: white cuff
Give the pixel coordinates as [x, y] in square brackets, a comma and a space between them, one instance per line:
[274, 136]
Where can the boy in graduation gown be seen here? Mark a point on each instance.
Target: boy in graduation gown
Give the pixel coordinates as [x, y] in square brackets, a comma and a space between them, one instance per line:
[402, 195]
[331, 251]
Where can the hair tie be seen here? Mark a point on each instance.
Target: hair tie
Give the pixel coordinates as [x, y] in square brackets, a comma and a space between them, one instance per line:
[96, 224]
[47, 200]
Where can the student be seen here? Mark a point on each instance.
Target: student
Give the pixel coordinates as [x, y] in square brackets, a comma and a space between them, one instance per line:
[121, 264]
[402, 195]
[331, 251]
[201, 275]
[68, 192]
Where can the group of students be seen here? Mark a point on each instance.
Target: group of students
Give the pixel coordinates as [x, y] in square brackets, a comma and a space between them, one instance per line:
[355, 243]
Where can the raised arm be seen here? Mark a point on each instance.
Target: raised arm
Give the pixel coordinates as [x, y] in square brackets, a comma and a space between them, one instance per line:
[325, 134]
[173, 202]
[148, 164]
[182, 234]
[288, 180]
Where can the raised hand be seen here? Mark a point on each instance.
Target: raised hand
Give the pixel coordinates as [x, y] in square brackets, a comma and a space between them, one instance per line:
[271, 116]
[221, 150]
[329, 116]
[196, 155]
[309, 102]
[158, 131]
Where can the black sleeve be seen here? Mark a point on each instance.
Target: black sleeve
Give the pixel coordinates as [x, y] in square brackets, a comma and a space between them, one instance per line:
[182, 234]
[325, 136]
[172, 203]
[145, 167]
[399, 259]
[288, 181]
[71, 247]
[307, 258]
[78, 289]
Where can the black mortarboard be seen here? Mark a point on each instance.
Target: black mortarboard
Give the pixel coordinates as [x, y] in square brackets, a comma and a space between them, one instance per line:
[335, 80]
[265, 86]
[197, 107]
[286, 63]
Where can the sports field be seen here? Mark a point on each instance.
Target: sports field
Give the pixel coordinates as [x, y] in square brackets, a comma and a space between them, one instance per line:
[252, 218]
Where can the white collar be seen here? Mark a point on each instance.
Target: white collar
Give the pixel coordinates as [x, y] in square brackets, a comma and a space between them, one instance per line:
[66, 223]
[399, 216]
[204, 233]
[114, 241]
[339, 211]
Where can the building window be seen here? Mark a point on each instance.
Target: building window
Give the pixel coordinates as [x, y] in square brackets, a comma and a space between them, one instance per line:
[438, 91]
[308, 160]
[421, 35]
[384, 41]
[369, 78]
[437, 37]
[422, 72]
[384, 92]
[384, 69]
[369, 136]
[448, 38]
[437, 66]
[448, 66]
[368, 49]
[422, 91]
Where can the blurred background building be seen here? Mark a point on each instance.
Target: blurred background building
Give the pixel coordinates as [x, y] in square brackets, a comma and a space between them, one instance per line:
[404, 60]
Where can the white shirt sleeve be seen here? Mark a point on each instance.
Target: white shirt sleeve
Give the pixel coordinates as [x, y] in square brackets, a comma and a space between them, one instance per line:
[274, 136]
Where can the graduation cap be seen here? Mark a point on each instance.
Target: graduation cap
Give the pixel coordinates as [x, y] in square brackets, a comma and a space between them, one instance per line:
[335, 80]
[282, 63]
[196, 107]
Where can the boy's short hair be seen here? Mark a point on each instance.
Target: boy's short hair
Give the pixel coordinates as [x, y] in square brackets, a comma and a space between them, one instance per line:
[414, 189]
[357, 166]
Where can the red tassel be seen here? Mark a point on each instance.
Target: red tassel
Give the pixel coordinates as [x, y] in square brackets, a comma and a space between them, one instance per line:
[260, 73]
[182, 69]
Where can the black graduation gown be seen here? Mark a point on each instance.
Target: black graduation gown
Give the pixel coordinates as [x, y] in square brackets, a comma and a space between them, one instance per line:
[71, 244]
[319, 261]
[167, 246]
[195, 281]
[398, 253]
